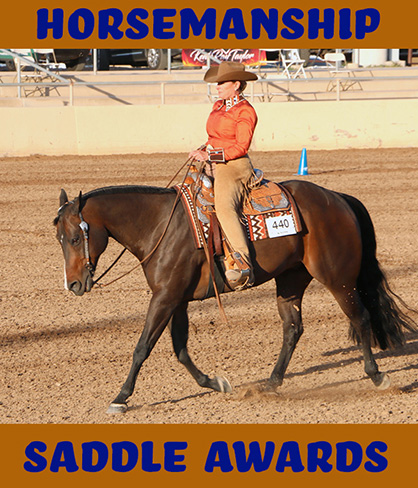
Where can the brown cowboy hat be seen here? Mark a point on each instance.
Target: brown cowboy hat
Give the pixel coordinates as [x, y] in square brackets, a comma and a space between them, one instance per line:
[228, 71]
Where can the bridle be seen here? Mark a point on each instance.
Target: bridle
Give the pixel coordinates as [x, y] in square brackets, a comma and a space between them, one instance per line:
[84, 226]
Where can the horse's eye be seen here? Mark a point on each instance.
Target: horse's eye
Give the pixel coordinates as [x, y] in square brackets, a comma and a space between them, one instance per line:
[75, 240]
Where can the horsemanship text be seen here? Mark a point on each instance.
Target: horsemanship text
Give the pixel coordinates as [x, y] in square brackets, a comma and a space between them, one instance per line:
[233, 24]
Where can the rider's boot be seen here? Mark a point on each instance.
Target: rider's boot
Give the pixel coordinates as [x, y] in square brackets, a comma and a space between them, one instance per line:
[240, 274]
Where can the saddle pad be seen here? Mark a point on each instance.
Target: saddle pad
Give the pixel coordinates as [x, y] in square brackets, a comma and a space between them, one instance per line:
[265, 215]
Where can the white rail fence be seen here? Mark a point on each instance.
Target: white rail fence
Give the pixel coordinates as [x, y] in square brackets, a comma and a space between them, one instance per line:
[344, 84]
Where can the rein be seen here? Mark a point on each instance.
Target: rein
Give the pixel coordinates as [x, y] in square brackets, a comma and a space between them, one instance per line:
[208, 254]
[84, 227]
[109, 268]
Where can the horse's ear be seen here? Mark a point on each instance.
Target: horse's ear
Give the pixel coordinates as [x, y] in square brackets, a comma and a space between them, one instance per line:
[80, 203]
[63, 198]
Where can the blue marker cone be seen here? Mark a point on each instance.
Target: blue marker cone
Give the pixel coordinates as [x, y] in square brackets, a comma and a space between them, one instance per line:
[303, 165]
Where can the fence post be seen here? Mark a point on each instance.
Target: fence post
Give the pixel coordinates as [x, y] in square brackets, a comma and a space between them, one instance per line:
[19, 79]
[95, 61]
[71, 93]
[162, 93]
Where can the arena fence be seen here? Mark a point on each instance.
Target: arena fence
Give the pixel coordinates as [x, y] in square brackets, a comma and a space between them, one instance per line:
[77, 113]
[264, 90]
[133, 129]
[322, 83]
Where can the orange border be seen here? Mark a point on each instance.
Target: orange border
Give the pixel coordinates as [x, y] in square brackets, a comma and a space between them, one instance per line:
[397, 30]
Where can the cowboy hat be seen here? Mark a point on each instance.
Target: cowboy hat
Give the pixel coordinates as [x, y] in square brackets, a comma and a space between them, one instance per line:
[228, 71]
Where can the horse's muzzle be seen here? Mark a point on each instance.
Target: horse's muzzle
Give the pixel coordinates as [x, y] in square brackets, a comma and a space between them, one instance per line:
[78, 288]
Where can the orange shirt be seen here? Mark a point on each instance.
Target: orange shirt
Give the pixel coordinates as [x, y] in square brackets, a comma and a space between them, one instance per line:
[231, 130]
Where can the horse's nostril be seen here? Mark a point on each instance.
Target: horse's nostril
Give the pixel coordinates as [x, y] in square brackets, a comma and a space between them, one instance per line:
[75, 286]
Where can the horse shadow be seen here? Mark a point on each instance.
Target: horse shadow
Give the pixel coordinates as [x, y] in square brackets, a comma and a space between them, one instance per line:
[252, 389]
[246, 389]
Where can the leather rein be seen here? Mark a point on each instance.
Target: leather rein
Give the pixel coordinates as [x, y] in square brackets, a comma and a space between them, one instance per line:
[84, 226]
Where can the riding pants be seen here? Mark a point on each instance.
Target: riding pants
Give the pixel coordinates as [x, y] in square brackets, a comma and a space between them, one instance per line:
[230, 182]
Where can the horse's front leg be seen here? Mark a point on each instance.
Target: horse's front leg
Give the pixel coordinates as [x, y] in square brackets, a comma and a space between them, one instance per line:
[159, 313]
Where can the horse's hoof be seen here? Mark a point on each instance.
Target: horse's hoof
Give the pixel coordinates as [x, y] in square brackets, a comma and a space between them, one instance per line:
[385, 383]
[270, 386]
[223, 384]
[117, 408]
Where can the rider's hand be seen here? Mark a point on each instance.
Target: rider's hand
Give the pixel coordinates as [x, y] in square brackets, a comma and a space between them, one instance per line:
[199, 155]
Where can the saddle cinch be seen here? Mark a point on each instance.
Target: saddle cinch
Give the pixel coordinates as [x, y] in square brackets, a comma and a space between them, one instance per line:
[269, 210]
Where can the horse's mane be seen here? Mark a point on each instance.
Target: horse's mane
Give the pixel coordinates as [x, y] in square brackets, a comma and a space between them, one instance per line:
[114, 190]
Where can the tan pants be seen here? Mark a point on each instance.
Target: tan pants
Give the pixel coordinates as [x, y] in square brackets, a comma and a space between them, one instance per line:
[230, 181]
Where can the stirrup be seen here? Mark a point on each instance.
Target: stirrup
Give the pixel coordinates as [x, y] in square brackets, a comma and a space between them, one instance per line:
[239, 279]
[241, 275]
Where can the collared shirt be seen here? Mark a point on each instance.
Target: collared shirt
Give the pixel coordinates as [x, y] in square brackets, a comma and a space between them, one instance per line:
[231, 126]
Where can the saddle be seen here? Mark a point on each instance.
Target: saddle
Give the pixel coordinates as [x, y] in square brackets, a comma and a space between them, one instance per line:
[269, 210]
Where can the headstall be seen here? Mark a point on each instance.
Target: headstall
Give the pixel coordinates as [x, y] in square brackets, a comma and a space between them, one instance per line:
[84, 226]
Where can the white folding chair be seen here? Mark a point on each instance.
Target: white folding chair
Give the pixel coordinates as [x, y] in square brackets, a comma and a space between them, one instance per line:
[25, 54]
[23, 66]
[336, 62]
[43, 58]
[292, 63]
[46, 59]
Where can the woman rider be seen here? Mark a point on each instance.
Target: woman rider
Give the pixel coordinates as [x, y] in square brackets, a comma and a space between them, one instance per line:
[230, 129]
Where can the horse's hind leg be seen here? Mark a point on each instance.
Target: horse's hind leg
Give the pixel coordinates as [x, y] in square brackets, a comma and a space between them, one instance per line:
[350, 302]
[290, 287]
[180, 334]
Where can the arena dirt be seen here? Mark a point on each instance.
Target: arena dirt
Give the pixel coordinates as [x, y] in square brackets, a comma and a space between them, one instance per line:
[64, 358]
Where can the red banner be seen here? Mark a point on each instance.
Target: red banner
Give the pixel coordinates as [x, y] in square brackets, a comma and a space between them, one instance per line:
[198, 57]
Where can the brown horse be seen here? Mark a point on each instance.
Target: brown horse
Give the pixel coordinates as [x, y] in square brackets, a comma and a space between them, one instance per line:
[337, 247]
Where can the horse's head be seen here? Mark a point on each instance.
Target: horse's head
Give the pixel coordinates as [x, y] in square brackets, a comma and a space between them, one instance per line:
[82, 243]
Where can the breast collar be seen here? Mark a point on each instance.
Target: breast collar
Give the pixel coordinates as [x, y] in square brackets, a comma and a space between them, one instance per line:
[231, 102]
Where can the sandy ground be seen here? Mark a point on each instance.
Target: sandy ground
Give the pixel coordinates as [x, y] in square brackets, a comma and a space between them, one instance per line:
[64, 358]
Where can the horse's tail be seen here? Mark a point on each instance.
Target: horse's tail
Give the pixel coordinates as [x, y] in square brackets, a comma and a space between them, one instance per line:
[387, 319]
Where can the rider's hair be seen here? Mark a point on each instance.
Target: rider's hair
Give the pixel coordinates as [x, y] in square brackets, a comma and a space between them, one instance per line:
[242, 86]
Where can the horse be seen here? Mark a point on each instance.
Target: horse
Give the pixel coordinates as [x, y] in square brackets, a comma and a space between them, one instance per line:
[336, 246]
